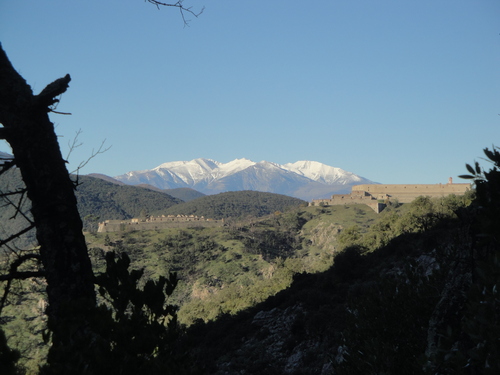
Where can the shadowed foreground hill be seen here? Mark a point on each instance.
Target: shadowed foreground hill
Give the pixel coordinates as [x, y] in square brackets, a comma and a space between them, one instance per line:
[236, 204]
[415, 294]
[409, 306]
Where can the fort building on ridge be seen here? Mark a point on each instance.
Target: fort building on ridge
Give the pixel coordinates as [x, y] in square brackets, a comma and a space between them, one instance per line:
[376, 196]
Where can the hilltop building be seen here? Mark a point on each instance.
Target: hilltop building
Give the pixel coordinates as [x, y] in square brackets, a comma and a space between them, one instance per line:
[158, 222]
[377, 196]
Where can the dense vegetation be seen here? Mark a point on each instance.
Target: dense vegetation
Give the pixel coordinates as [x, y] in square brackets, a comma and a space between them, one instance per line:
[184, 194]
[236, 204]
[226, 269]
[104, 200]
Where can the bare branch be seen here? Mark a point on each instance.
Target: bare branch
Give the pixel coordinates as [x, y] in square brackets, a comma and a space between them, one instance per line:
[17, 235]
[15, 275]
[100, 150]
[61, 113]
[18, 205]
[54, 107]
[74, 144]
[21, 275]
[182, 9]
[16, 192]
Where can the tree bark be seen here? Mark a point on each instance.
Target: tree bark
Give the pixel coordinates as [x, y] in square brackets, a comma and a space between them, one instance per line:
[63, 250]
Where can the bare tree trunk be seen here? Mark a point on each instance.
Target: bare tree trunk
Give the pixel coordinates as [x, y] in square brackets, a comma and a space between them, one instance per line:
[27, 128]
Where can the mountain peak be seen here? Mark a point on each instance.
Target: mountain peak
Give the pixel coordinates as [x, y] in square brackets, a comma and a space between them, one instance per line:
[201, 162]
[303, 179]
[322, 173]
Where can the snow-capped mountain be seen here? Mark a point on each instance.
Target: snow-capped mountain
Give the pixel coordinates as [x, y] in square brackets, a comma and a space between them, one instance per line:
[304, 179]
[323, 173]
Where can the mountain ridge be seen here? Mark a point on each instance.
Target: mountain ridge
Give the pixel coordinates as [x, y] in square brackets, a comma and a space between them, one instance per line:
[303, 179]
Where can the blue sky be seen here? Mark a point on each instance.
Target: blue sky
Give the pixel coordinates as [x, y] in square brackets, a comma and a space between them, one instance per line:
[396, 91]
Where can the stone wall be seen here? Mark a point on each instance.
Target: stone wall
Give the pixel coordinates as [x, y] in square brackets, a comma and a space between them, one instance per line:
[375, 195]
[407, 193]
[158, 222]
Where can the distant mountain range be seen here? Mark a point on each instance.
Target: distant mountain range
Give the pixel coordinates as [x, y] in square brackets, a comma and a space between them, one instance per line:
[188, 180]
[306, 180]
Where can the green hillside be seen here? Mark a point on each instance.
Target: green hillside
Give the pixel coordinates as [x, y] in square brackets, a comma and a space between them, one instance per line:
[107, 201]
[226, 269]
[236, 204]
[184, 194]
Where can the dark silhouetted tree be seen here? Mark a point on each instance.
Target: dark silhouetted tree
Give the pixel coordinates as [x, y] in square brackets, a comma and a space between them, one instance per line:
[63, 252]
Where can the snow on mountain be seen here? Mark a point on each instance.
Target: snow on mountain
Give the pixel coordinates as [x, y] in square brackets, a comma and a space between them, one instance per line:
[190, 172]
[263, 176]
[234, 166]
[303, 179]
[199, 171]
[323, 173]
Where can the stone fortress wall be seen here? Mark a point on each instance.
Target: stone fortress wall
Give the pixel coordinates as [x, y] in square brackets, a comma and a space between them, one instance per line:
[376, 196]
[158, 222]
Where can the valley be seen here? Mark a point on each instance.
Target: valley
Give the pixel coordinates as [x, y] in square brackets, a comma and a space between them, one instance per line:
[223, 270]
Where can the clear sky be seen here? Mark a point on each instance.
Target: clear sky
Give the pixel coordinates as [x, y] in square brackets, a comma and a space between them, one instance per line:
[397, 91]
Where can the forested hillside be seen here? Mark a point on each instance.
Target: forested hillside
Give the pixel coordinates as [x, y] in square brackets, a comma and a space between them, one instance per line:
[223, 270]
[184, 194]
[106, 200]
[236, 204]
